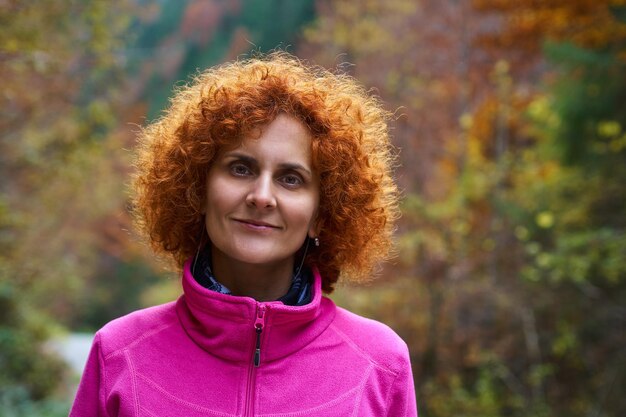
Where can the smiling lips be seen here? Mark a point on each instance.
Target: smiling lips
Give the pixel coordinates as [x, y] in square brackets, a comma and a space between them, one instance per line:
[256, 225]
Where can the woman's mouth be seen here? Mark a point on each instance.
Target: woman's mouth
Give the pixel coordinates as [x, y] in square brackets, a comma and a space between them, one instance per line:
[256, 224]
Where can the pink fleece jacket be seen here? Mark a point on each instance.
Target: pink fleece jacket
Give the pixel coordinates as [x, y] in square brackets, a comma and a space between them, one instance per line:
[210, 354]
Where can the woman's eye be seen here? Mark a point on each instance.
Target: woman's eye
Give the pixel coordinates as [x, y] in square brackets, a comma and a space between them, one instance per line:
[292, 180]
[239, 170]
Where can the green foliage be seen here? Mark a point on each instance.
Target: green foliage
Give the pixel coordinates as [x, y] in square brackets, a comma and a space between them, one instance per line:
[180, 36]
[16, 402]
[483, 395]
[514, 269]
[25, 364]
[589, 97]
[260, 18]
[116, 289]
[55, 56]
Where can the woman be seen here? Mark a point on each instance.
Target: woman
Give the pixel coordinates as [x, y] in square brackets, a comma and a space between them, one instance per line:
[266, 180]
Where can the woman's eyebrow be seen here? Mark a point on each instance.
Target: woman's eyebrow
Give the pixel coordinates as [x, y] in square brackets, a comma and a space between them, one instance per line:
[242, 156]
[296, 167]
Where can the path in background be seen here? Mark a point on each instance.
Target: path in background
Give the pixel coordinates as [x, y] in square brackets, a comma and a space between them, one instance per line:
[73, 348]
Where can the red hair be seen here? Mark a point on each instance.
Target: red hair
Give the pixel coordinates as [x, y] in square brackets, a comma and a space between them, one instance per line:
[350, 147]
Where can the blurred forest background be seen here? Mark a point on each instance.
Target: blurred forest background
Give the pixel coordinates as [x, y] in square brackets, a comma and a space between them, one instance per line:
[510, 280]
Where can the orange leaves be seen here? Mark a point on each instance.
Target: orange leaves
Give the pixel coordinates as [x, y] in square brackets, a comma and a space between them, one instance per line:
[493, 117]
[587, 23]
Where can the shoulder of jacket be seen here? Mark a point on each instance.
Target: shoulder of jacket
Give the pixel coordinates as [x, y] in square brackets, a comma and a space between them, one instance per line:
[377, 341]
[124, 331]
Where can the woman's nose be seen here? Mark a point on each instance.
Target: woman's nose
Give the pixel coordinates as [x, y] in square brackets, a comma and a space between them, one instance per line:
[261, 194]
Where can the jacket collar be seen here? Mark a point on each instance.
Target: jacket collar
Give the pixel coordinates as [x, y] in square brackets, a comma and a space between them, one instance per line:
[224, 325]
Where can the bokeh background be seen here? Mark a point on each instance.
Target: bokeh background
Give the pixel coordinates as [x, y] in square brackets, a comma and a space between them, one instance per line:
[510, 280]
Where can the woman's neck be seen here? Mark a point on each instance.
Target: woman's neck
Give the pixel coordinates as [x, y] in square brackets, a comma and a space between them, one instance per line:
[261, 282]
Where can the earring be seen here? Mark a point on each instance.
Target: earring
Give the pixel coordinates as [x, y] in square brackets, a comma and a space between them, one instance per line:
[316, 240]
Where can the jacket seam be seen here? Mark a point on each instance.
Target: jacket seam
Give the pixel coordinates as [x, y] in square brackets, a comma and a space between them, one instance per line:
[326, 405]
[389, 394]
[104, 371]
[148, 412]
[133, 382]
[174, 398]
[138, 340]
[360, 351]
[362, 388]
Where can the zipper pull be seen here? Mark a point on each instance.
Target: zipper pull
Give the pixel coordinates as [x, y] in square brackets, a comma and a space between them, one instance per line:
[258, 327]
[257, 352]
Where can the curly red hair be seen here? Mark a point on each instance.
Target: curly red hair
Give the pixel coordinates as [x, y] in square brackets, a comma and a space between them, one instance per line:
[351, 152]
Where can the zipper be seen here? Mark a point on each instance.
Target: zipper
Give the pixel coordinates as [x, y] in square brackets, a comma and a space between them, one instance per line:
[258, 328]
[259, 323]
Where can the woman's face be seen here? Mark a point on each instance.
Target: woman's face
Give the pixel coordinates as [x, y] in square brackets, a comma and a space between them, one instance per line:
[262, 197]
